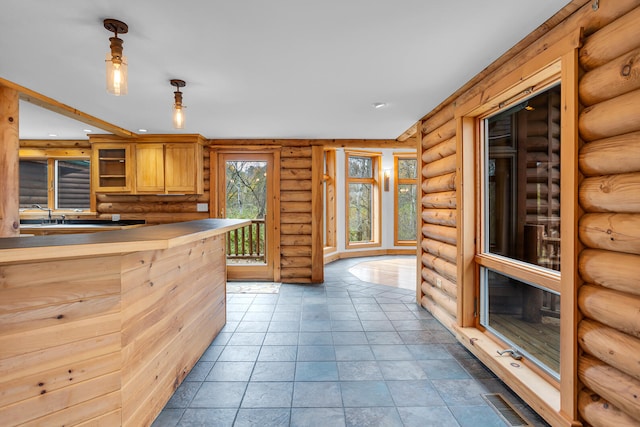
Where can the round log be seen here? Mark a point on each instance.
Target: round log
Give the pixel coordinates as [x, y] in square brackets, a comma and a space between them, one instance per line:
[610, 156]
[443, 200]
[295, 229]
[615, 116]
[447, 302]
[439, 183]
[615, 386]
[599, 412]
[440, 266]
[611, 193]
[612, 308]
[612, 347]
[438, 312]
[613, 79]
[446, 217]
[614, 232]
[441, 249]
[444, 132]
[440, 282]
[440, 151]
[440, 233]
[595, 266]
[617, 38]
[444, 115]
[439, 167]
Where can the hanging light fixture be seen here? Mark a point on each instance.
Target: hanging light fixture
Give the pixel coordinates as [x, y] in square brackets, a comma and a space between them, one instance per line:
[116, 63]
[178, 108]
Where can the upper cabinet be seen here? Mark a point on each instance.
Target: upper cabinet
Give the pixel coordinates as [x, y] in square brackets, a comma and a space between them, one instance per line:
[157, 164]
[111, 167]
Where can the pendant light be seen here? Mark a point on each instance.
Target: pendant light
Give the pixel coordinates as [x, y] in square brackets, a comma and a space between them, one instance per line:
[178, 108]
[116, 62]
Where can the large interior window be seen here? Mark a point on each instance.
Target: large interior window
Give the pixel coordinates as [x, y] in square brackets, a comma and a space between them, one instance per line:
[363, 195]
[56, 184]
[406, 187]
[519, 255]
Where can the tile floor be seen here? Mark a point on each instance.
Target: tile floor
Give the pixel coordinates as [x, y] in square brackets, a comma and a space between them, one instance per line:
[344, 353]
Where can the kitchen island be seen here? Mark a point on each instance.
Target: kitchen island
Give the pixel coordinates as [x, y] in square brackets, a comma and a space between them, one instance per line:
[102, 328]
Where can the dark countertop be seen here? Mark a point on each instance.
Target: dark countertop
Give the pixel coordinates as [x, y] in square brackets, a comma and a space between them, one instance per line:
[16, 249]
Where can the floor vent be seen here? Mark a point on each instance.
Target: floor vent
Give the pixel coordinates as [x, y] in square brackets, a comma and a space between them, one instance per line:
[508, 413]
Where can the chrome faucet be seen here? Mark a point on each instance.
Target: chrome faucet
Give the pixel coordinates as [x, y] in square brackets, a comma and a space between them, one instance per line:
[511, 352]
[42, 209]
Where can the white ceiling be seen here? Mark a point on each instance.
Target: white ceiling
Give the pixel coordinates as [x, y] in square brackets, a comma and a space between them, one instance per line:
[258, 68]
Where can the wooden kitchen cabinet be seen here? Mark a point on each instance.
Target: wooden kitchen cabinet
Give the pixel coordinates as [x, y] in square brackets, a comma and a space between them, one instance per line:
[111, 164]
[153, 164]
[171, 168]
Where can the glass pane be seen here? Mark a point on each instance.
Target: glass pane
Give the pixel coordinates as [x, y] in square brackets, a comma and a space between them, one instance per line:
[246, 195]
[360, 167]
[522, 187]
[360, 212]
[33, 183]
[407, 168]
[407, 212]
[523, 315]
[74, 184]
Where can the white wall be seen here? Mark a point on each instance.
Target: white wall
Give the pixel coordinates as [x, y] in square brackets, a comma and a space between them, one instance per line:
[387, 201]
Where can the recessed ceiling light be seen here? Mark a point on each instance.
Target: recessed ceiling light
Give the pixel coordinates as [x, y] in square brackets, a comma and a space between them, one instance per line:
[378, 105]
[53, 134]
[87, 130]
[142, 130]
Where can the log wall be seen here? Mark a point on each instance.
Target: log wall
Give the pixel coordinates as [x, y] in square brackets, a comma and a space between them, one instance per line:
[609, 197]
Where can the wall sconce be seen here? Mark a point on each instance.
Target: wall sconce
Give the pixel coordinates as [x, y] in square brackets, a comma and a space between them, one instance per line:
[178, 108]
[387, 174]
[116, 63]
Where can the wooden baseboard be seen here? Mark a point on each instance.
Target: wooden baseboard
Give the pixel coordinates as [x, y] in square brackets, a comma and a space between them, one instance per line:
[334, 256]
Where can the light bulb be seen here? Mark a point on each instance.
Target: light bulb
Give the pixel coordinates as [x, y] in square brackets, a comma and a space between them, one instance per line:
[116, 76]
[178, 117]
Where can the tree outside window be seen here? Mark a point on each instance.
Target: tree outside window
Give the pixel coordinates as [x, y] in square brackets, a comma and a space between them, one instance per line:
[406, 187]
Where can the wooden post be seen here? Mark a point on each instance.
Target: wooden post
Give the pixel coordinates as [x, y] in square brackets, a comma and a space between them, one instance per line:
[9, 178]
[317, 226]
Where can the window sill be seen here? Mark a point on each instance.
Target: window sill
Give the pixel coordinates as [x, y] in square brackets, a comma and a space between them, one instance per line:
[534, 389]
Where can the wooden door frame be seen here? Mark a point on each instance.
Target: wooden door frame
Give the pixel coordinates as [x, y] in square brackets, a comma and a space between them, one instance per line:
[216, 170]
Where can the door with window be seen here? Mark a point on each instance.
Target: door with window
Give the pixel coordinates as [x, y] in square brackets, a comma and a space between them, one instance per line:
[519, 252]
[246, 191]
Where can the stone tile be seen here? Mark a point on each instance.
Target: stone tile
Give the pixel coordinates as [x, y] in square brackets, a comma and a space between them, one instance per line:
[475, 416]
[360, 394]
[460, 392]
[318, 417]
[268, 395]
[344, 315]
[414, 393]
[353, 352]
[208, 417]
[476, 369]
[280, 338]
[384, 338]
[219, 395]
[286, 316]
[444, 369]
[391, 352]
[315, 338]
[278, 353]
[246, 338]
[429, 351]
[168, 418]
[321, 394]
[277, 417]
[359, 371]
[346, 325]
[212, 353]
[427, 416]
[372, 315]
[274, 371]
[183, 395]
[284, 326]
[407, 325]
[315, 315]
[401, 370]
[240, 353]
[316, 353]
[256, 316]
[315, 325]
[230, 371]
[358, 417]
[349, 338]
[316, 371]
[199, 371]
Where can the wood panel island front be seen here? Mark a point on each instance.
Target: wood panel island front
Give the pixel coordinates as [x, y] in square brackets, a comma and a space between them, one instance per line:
[100, 329]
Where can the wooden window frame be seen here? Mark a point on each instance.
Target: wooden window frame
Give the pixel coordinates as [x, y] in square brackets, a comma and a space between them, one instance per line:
[330, 242]
[397, 182]
[375, 180]
[556, 402]
[51, 155]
